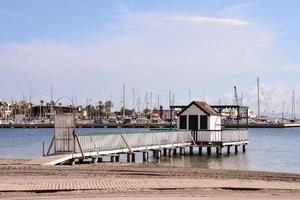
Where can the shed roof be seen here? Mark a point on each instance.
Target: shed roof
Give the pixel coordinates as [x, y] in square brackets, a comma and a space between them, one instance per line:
[202, 106]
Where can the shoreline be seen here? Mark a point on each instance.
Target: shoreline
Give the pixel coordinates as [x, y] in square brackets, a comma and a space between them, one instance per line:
[140, 180]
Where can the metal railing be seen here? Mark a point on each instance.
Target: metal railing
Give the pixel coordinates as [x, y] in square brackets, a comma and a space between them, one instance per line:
[222, 136]
[134, 140]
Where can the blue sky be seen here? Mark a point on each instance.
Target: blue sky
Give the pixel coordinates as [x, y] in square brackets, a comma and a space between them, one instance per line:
[89, 48]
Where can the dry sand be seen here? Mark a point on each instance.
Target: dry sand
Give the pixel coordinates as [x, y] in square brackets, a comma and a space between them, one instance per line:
[140, 181]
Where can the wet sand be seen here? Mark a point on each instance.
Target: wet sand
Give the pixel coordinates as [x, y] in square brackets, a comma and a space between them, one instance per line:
[136, 181]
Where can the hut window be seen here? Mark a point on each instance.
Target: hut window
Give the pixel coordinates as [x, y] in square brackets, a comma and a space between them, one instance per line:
[182, 122]
[203, 122]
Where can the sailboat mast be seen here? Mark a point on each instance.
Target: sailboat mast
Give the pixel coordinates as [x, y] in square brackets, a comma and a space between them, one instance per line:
[282, 117]
[258, 102]
[124, 99]
[293, 106]
[133, 101]
[51, 105]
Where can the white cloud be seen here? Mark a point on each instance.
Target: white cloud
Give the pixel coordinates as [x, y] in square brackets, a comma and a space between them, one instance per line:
[201, 20]
[151, 55]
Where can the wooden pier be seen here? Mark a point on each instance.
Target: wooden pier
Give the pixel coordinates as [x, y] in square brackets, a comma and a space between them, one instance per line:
[69, 147]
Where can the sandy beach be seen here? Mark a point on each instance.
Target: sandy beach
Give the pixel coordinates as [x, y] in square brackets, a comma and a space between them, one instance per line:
[136, 181]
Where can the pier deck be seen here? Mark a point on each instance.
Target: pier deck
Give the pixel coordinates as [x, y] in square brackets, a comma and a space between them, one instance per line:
[97, 146]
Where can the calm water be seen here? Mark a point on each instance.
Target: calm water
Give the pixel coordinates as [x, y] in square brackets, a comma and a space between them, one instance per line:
[269, 149]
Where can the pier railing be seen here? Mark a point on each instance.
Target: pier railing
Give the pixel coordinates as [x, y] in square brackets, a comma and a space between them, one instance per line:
[238, 135]
[132, 140]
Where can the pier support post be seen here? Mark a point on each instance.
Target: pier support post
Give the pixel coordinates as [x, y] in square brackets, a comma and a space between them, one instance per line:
[228, 149]
[175, 151]
[219, 150]
[165, 152]
[95, 160]
[244, 148]
[236, 148]
[129, 157]
[208, 150]
[73, 160]
[154, 153]
[158, 153]
[80, 161]
[113, 158]
[133, 157]
[200, 150]
[170, 152]
[145, 156]
[191, 150]
[182, 150]
[117, 157]
[100, 159]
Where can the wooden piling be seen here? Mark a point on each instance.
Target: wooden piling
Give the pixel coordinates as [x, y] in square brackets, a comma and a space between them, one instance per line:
[113, 158]
[73, 161]
[165, 152]
[133, 157]
[219, 150]
[117, 158]
[191, 150]
[236, 148]
[182, 150]
[145, 156]
[129, 157]
[175, 151]
[100, 159]
[244, 148]
[158, 153]
[94, 160]
[208, 150]
[200, 151]
[170, 152]
[228, 149]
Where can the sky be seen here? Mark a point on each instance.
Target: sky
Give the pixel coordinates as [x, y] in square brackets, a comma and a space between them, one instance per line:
[88, 49]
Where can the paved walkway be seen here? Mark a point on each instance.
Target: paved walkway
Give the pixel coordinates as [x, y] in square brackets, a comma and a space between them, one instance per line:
[143, 184]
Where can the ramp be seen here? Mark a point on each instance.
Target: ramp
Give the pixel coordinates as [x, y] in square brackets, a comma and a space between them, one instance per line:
[50, 160]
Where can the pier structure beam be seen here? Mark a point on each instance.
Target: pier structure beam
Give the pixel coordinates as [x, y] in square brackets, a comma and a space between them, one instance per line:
[244, 148]
[208, 150]
[182, 150]
[228, 149]
[236, 149]
[200, 151]
[170, 152]
[191, 150]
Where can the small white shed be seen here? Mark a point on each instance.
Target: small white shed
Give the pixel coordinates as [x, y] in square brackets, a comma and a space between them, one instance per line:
[198, 115]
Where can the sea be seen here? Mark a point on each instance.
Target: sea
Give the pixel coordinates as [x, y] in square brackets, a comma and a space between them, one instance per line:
[275, 150]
